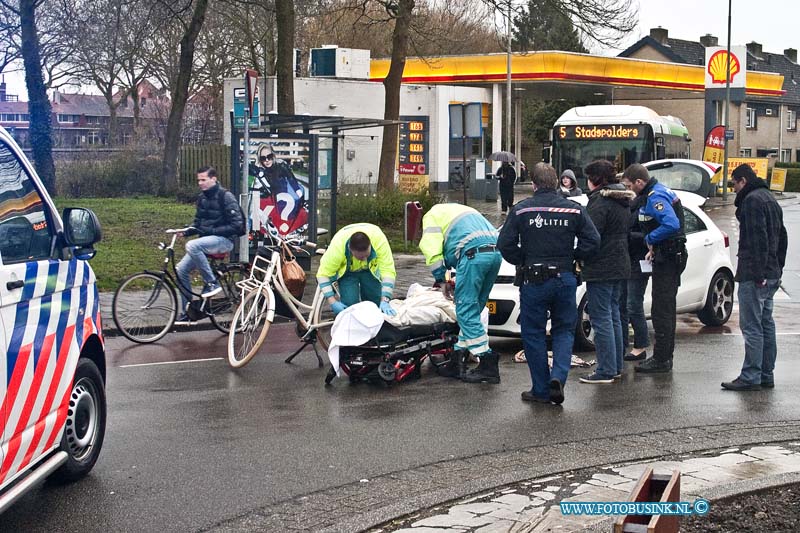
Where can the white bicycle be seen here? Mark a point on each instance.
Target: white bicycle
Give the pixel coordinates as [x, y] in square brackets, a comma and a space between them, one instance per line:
[254, 316]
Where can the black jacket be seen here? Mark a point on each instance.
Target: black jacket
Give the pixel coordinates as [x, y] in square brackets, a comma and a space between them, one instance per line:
[609, 209]
[637, 249]
[762, 236]
[506, 174]
[542, 229]
[215, 219]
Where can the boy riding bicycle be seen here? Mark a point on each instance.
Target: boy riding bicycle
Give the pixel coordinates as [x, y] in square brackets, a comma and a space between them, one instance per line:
[218, 221]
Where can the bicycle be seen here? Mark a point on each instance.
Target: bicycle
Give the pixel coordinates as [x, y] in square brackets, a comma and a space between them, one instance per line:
[253, 317]
[145, 305]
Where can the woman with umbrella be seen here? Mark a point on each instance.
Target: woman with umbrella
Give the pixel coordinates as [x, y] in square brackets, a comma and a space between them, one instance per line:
[507, 176]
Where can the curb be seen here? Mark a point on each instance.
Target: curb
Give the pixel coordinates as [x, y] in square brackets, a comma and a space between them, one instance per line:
[367, 504]
[723, 492]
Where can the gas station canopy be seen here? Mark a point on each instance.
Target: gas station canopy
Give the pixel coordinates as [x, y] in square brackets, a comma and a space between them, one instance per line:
[567, 75]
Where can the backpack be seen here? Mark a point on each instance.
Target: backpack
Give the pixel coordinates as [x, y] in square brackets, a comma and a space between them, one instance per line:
[242, 229]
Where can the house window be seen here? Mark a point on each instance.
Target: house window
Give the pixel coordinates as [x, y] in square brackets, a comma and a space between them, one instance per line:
[750, 123]
[786, 155]
[93, 137]
[93, 120]
[745, 152]
[791, 119]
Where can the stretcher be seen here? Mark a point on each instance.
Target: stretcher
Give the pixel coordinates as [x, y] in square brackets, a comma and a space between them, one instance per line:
[397, 353]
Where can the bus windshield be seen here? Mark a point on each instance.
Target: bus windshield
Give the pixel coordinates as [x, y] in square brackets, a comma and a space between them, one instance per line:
[576, 151]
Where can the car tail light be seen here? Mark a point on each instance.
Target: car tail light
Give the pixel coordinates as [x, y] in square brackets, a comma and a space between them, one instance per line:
[727, 240]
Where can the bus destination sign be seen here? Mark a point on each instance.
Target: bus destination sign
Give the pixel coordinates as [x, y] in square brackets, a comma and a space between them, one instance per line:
[605, 131]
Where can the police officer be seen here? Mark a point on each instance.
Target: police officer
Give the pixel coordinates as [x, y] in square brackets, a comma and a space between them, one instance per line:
[661, 218]
[457, 236]
[539, 238]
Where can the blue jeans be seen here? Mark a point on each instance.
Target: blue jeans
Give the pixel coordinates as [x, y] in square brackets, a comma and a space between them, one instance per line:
[635, 306]
[604, 315]
[359, 286]
[558, 297]
[758, 328]
[195, 258]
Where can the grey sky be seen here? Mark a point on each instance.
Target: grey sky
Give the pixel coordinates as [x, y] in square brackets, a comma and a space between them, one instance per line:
[773, 23]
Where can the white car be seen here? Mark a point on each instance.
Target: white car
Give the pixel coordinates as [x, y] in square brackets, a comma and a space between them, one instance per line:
[691, 175]
[706, 285]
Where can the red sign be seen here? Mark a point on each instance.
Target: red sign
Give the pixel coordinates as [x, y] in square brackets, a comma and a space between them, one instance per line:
[715, 145]
[250, 82]
[406, 168]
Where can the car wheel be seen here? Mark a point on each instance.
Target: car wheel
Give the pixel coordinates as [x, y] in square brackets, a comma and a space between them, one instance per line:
[584, 334]
[85, 426]
[719, 301]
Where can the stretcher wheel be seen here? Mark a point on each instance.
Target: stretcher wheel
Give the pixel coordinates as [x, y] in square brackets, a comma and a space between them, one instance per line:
[387, 371]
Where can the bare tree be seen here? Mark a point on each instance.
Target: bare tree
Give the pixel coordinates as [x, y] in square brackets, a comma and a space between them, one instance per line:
[196, 12]
[284, 17]
[38, 104]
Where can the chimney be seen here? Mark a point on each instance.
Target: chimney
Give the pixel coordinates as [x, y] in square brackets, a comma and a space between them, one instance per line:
[709, 40]
[754, 48]
[659, 34]
[791, 54]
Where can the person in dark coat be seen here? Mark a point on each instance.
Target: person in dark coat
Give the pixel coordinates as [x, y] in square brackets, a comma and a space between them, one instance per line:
[569, 184]
[635, 287]
[607, 270]
[507, 176]
[762, 255]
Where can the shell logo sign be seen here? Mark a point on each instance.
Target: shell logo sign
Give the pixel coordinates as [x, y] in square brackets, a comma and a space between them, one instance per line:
[717, 65]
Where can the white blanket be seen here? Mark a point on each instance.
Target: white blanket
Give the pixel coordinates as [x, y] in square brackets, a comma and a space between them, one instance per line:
[427, 306]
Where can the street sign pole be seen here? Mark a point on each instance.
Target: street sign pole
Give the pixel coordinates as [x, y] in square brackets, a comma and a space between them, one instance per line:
[464, 169]
[727, 111]
[250, 81]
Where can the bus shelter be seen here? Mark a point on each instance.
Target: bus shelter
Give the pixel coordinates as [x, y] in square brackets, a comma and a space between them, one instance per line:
[293, 173]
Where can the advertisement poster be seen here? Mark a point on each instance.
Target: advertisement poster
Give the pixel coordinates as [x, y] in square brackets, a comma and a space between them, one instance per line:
[714, 151]
[759, 165]
[778, 181]
[278, 176]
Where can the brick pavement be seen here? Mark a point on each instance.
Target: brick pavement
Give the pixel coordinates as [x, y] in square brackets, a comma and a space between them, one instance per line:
[377, 502]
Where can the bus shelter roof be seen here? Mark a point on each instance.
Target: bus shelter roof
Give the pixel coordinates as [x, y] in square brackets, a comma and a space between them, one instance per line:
[320, 123]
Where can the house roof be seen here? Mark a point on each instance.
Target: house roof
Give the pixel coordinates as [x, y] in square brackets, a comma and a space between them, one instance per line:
[694, 53]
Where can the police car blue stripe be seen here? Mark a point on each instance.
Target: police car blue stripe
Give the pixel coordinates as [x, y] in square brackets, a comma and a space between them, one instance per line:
[21, 321]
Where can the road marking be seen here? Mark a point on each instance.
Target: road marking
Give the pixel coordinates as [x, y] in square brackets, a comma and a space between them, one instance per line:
[173, 362]
[778, 334]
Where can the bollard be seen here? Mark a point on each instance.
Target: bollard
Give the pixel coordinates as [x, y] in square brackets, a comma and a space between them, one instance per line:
[413, 221]
[652, 488]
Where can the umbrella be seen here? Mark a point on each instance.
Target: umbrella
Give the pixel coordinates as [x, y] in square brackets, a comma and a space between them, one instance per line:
[505, 157]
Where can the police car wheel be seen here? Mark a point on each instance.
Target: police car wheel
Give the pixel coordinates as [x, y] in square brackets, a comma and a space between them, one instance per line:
[584, 336]
[85, 425]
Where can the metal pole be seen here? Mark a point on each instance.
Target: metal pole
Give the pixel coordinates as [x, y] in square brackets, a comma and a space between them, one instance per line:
[727, 111]
[464, 169]
[244, 192]
[508, 81]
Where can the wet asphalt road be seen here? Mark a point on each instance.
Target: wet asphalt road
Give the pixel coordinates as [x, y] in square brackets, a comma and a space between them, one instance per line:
[193, 443]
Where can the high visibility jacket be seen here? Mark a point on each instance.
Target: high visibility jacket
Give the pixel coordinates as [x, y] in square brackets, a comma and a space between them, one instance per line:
[338, 259]
[448, 231]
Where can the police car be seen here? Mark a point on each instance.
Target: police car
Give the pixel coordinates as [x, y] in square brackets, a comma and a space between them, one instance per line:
[52, 391]
[706, 284]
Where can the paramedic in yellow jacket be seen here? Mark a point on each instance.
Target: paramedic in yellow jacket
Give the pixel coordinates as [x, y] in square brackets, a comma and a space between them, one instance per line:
[457, 236]
[360, 260]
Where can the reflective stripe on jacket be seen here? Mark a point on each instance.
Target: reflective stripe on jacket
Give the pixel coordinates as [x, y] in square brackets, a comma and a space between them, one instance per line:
[449, 230]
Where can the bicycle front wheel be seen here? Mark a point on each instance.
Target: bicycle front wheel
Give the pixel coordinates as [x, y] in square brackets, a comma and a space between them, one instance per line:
[144, 307]
[249, 328]
[223, 307]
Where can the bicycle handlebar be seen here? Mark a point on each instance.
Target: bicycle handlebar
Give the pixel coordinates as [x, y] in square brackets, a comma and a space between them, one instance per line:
[179, 230]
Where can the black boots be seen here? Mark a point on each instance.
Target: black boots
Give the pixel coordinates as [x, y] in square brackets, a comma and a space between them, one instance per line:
[454, 367]
[486, 372]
